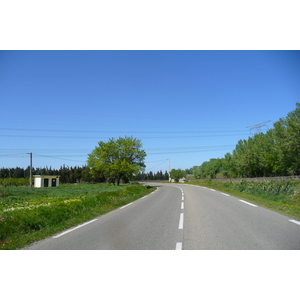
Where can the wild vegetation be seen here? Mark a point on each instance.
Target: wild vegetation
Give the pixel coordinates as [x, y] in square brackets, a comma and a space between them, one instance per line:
[28, 214]
[281, 196]
[274, 153]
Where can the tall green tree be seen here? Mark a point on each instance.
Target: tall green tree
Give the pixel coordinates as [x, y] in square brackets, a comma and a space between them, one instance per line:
[176, 174]
[287, 134]
[227, 166]
[117, 159]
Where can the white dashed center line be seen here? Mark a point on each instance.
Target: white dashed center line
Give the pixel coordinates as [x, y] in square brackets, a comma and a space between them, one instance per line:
[178, 246]
[180, 226]
[181, 221]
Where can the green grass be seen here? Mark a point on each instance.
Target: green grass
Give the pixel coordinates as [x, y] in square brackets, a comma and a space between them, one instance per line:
[30, 214]
[280, 196]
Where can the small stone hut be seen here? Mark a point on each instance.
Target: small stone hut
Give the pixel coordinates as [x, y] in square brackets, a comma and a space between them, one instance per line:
[46, 181]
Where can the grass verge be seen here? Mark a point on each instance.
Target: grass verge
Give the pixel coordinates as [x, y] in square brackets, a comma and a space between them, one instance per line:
[28, 215]
[280, 196]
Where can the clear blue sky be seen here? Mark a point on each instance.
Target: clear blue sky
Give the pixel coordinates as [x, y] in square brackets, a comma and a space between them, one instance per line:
[188, 106]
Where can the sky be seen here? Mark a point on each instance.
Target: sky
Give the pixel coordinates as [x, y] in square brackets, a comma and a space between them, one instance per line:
[186, 106]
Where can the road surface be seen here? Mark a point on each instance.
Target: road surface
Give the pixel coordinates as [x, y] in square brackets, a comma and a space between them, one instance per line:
[181, 217]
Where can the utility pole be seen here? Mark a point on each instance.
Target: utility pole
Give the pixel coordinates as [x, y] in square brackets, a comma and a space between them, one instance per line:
[30, 176]
[169, 169]
[258, 127]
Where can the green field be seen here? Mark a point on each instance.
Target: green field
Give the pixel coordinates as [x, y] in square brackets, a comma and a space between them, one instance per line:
[30, 214]
[281, 196]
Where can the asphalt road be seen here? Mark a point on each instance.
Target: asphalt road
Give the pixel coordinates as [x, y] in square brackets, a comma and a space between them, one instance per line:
[181, 217]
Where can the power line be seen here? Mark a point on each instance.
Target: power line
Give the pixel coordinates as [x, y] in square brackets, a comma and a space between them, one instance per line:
[55, 157]
[119, 131]
[150, 151]
[148, 162]
[106, 137]
[174, 134]
[157, 165]
[189, 148]
[48, 150]
[16, 154]
[78, 150]
[62, 157]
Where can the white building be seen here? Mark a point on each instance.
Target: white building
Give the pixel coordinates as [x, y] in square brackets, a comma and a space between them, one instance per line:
[46, 181]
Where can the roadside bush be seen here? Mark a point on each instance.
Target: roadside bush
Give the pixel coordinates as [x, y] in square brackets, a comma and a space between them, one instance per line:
[14, 182]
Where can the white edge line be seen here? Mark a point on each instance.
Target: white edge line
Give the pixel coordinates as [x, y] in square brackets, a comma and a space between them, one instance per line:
[294, 221]
[225, 194]
[248, 203]
[138, 199]
[125, 205]
[178, 246]
[181, 221]
[150, 194]
[212, 190]
[74, 228]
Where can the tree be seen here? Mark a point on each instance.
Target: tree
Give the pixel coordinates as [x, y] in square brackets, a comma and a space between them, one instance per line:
[228, 166]
[176, 174]
[117, 159]
[287, 135]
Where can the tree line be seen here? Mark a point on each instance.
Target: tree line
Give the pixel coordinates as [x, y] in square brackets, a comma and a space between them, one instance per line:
[274, 153]
[152, 176]
[73, 174]
[67, 174]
